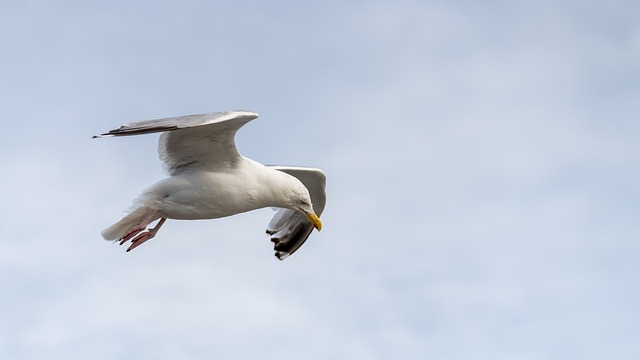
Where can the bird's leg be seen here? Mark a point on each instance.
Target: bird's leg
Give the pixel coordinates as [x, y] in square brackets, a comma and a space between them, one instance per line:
[138, 228]
[149, 234]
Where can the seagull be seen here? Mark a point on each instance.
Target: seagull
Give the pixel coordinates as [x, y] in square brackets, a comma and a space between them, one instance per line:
[209, 179]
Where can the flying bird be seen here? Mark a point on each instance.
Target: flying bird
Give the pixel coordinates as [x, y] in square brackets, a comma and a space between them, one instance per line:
[209, 179]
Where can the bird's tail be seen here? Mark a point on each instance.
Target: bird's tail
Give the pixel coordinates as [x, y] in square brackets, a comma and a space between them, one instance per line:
[122, 227]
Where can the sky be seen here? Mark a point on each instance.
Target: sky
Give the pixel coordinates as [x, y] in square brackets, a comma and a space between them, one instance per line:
[482, 168]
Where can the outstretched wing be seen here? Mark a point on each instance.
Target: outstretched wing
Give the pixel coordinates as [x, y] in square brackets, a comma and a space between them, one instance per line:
[203, 140]
[289, 229]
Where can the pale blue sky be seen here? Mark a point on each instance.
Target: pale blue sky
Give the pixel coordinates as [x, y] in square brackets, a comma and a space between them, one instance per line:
[482, 162]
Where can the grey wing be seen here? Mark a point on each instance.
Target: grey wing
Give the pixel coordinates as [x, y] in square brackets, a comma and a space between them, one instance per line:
[203, 140]
[289, 229]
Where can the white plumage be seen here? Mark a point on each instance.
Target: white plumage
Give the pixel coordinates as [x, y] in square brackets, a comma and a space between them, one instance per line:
[210, 179]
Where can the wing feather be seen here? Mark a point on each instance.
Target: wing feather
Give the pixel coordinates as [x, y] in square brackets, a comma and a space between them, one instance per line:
[202, 140]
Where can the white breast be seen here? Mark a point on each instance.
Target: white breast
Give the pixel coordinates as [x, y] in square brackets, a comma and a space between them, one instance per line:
[209, 195]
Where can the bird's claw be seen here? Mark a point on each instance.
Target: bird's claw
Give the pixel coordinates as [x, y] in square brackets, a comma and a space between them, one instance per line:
[141, 237]
[138, 240]
[133, 232]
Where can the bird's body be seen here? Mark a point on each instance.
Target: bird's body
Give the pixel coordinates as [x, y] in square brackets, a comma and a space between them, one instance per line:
[210, 179]
[203, 194]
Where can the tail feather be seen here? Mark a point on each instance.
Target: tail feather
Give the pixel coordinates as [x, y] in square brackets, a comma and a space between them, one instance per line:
[119, 229]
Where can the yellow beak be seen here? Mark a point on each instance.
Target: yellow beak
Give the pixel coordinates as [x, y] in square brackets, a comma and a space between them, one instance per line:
[315, 220]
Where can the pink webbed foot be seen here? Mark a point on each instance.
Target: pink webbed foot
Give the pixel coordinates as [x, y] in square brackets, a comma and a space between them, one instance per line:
[142, 237]
[133, 232]
[138, 240]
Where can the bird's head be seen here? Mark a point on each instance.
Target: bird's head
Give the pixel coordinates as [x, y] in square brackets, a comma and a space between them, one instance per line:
[300, 200]
[304, 205]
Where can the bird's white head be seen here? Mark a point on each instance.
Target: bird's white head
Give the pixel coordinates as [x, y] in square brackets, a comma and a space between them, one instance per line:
[298, 199]
[304, 205]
